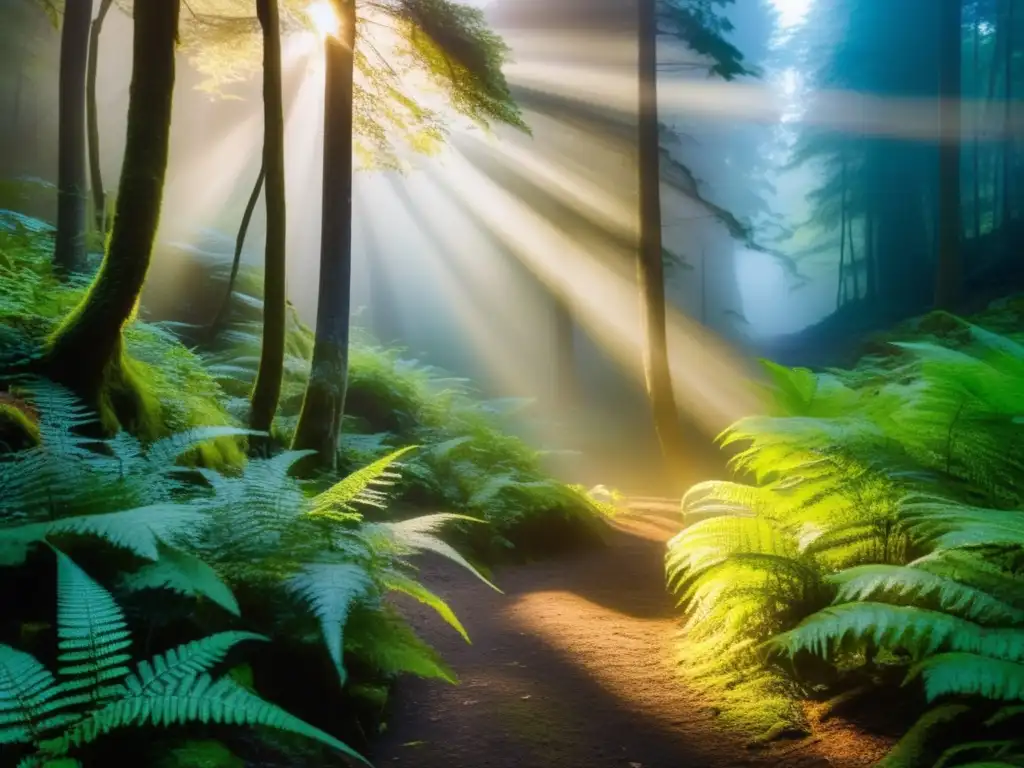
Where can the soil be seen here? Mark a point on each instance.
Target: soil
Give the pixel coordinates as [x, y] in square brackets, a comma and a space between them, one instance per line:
[572, 668]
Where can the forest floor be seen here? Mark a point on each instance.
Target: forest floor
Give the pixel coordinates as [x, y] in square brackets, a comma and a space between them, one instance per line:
[572, 667]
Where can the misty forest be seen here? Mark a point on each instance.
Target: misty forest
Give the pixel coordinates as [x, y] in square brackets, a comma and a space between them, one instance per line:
[512, 383]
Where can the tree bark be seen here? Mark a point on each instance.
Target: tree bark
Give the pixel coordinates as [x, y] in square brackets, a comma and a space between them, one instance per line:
[236, 262]
[85, 352]
[69, 252]
[319, 426]
[840, 287]
[949, 269]
[99, 197]
[650, 267]
[976, 154]
[267, 389]
[1008, 129]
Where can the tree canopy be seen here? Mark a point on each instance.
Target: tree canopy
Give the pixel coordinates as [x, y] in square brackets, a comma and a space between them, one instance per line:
[414, 59]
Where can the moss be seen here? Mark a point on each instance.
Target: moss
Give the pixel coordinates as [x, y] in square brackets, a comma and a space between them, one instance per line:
[17, 430]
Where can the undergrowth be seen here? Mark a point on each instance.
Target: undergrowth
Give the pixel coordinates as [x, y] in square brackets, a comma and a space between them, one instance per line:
[164, 538]
[872, 545]
[469, 461]
[257, 556]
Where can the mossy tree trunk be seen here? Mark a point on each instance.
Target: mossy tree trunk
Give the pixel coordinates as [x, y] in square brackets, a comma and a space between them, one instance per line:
[85, 352]
[650, 265]
[319, 426]
[267, 389]
[99, 197]
[69, 252]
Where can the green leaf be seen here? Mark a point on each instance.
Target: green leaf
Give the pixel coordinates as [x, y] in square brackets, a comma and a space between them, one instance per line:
[330, 590]
[184, 573]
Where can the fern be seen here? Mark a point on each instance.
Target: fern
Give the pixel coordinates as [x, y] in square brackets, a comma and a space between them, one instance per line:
[895, 492]
[330, 589]
[98, 694]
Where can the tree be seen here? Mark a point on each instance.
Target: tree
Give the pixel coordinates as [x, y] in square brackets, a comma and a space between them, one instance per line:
[948, 268]
[451, 45]
[695, 23]
[69, 252]
[888, 194]
[86, 352]
[99, 197]
[267, 388]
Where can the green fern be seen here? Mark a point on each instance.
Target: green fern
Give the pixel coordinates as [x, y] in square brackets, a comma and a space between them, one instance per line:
[98, 694]
[894, 491]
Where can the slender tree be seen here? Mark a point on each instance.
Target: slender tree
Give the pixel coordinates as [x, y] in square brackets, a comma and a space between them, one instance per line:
[453, 46]
[236, 261]
[948, 271]
[267, 388]
[695, 23]
[69, 252]
[99, 197]
[324, 402]
[86, 352]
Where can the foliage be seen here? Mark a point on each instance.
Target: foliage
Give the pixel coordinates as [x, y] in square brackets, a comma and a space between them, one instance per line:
[408, 53]
[310, 559]
[34, 301]
[467, 462]
[882, 530]
[97, 693]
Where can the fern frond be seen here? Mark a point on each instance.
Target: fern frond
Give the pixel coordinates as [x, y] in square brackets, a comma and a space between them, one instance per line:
[330, 589]
[867, 581]
[139, 530]
[360, 487]
[970, 674]
[29, 703]
[185, 700]
[396, 581]
[419, 534]
[92, 632]
[182, 572]
[185, 661]
[165, 451]
[919, 631]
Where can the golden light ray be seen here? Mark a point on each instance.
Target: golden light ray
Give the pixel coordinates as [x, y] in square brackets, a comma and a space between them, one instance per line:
[710, 380]
[502, 332]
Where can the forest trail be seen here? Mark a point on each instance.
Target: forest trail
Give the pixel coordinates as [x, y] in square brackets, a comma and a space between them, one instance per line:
[572, 668]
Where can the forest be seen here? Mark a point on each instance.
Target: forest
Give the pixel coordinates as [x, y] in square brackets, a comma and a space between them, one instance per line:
[520, 383]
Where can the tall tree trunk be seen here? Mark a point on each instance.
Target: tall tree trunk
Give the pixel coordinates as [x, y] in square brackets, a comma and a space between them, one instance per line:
[267, 389]
[1008, 128]
[85, 352]
[854, 267]
[870, 255]
[976, 139]
[236, 261]
[650, 267]
[69, 252]
[949, 269]
[993, 76]
[99, 197]
[840, 287]
[319, 426]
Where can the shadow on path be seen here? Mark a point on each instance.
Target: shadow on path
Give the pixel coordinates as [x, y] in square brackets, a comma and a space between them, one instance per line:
[570, 668]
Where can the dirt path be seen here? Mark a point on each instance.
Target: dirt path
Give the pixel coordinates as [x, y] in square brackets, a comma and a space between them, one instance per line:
[572, 668]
